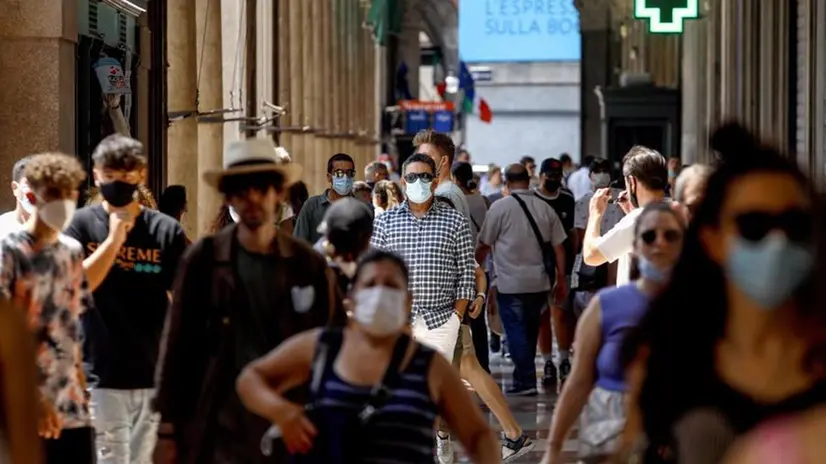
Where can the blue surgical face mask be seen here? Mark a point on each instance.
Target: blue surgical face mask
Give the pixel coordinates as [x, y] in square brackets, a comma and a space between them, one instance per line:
[768, 271]
[650, 271]
[343, 185]
[418, 192]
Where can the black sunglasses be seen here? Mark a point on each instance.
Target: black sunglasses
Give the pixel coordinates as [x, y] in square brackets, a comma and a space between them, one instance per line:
[342, 173]
[796, 224]
[412, 177]
[670, 235]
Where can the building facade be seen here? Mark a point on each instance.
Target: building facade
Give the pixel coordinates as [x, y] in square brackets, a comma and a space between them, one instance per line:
[761, 63]
[202, 72]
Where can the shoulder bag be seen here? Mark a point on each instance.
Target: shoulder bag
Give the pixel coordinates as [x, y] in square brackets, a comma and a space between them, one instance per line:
[547, 248]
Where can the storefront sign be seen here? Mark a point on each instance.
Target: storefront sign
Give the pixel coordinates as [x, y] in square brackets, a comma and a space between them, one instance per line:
[423, 115]
[518, 30]
[666, 16]
[110, 75]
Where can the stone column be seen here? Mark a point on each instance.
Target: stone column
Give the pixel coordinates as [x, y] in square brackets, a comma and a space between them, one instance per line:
[297, 85]
[37, 82]
[328, 87]
[693, 92]
[233, 16]
[211, 92]
[318, 97]
[310, 75]
[380, 83]
[338, 69]
[264, 60]
[284, 70]
[182, 152]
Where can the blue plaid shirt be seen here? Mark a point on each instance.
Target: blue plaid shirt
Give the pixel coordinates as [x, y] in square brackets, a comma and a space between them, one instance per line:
[438, 251]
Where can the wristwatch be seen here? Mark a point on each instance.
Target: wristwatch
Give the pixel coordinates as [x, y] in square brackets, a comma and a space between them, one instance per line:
[482, 295]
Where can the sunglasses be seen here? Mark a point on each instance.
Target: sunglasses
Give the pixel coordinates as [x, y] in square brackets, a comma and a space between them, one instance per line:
[796, 224]
[670, 235]
[342, 173]
[412, 177]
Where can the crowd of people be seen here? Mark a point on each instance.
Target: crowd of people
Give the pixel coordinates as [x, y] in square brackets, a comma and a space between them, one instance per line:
[675, 309]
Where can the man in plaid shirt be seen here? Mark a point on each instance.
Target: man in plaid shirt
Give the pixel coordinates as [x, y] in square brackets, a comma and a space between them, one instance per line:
[435, 242]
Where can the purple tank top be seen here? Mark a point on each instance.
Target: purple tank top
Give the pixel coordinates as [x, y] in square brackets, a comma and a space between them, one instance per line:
[622, 308]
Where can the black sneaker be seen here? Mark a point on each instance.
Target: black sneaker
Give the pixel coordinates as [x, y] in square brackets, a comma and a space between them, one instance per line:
[563, 372]
[521, 391]
[549, 374]
[514, 449]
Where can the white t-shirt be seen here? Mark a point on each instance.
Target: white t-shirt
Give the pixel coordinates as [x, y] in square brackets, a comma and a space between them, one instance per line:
[8, 223]
[618, 243]
[579, 182]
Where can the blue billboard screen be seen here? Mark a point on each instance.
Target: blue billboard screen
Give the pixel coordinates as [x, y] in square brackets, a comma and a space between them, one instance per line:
[518, 30]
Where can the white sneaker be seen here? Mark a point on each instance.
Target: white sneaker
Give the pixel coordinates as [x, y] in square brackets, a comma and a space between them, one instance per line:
[444, 449]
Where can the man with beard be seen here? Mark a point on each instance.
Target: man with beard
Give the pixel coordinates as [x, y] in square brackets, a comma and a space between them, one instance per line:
[237, 295]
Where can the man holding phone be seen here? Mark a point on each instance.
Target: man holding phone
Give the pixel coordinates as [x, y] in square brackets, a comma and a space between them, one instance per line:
[646, 178]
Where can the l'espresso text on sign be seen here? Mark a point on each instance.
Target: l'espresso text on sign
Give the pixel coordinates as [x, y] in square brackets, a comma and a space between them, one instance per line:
[530, 17]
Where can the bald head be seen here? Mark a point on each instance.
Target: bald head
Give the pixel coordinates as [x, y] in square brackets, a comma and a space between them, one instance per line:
[517, 176]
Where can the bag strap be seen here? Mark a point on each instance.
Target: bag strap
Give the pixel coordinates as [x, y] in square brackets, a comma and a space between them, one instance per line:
[382, 392]
[475, 224]
[328, 342]
[534, 227]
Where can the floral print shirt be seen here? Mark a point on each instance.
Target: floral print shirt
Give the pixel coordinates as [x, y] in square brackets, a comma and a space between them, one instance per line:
[49, 284]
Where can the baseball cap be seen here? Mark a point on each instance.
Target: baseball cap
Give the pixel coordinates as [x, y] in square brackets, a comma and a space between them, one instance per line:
[346, 216]
[551, 166]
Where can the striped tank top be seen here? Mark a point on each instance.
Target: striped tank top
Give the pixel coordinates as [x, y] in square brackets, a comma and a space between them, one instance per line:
[400, 431]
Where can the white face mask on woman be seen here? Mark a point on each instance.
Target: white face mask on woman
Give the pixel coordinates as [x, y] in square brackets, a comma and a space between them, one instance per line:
[381, 311]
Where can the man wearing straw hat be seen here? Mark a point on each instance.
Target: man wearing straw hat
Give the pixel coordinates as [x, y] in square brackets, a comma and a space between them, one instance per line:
[237, 295]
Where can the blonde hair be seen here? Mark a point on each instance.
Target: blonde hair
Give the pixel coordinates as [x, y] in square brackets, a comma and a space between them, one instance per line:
[388, 193]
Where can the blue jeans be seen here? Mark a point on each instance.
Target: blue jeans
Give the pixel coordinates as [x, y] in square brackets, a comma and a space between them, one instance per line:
[126, 425]
[520, 314]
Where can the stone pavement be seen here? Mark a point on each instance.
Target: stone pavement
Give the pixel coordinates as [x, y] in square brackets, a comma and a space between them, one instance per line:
[533, 413]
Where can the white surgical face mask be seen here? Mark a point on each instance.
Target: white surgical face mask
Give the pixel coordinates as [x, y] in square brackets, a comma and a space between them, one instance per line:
[419, 192]
[601, 180]
[57, 214]
[380, 310]
[234, 215]
[27, 206]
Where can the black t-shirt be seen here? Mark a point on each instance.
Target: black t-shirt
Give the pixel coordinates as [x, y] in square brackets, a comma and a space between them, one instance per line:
[563, 206]
[123, 332]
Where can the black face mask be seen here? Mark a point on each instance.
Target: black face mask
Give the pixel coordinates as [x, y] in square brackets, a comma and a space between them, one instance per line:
[372, 185]
[118, 193]
[551, 185]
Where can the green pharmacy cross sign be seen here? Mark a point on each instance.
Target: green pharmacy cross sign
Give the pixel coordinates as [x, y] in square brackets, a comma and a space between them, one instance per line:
[666, 16]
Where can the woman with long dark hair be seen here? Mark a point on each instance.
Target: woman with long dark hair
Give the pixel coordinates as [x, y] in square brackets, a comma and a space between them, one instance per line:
[794, 439]
[729, 343]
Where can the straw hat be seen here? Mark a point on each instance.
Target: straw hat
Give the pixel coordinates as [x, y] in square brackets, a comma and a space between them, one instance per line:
[253, 156]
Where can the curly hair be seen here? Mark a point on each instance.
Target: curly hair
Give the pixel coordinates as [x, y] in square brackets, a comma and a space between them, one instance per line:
[54, 171]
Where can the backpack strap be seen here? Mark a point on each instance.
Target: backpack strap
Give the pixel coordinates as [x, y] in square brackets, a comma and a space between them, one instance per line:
[329, 343]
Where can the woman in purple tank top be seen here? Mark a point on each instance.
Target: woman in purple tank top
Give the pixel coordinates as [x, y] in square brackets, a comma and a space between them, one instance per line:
[595, 391]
